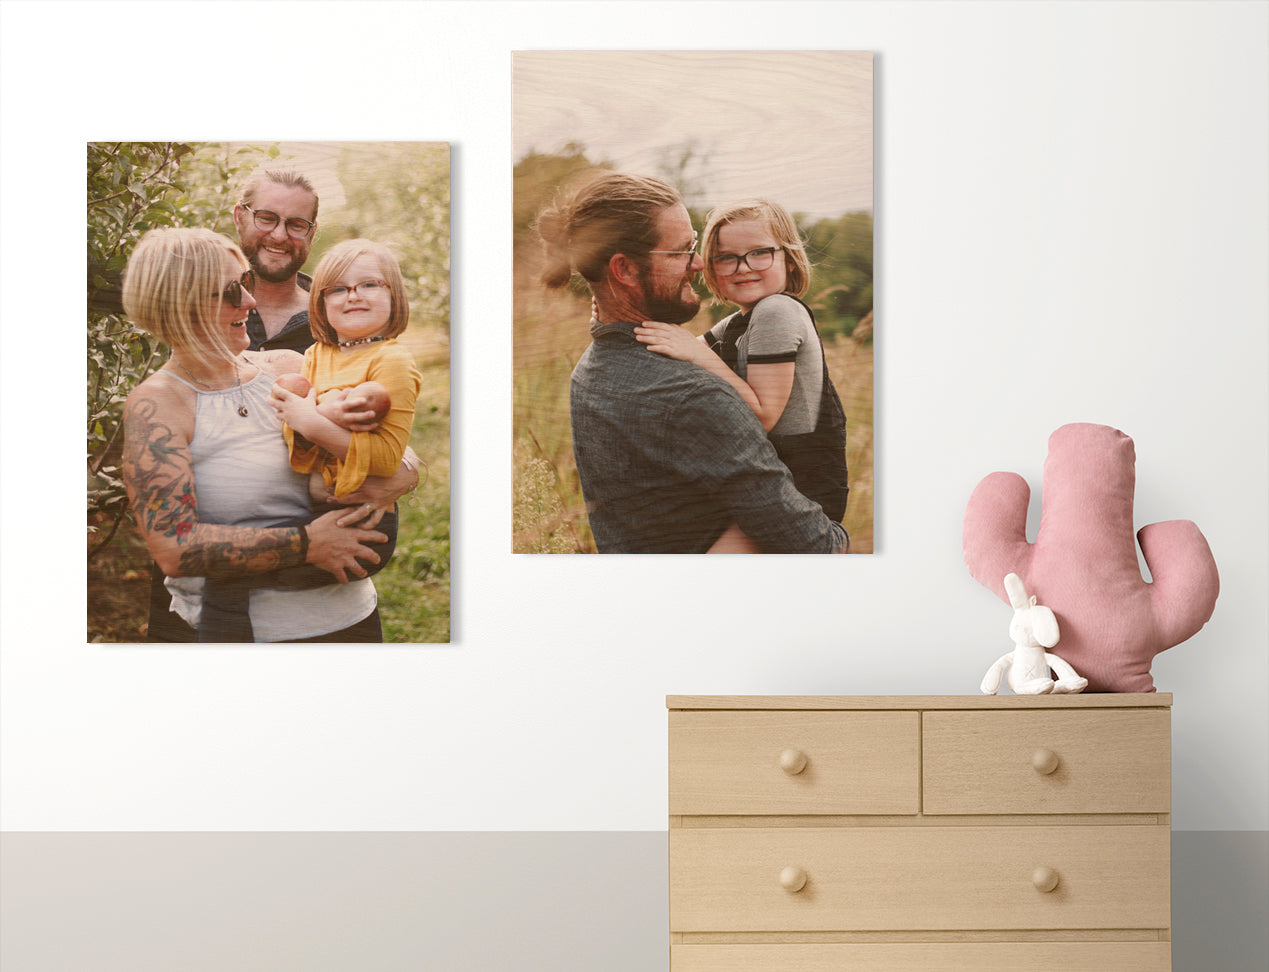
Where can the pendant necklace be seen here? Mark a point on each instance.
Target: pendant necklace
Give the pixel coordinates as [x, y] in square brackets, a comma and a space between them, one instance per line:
[242, 407]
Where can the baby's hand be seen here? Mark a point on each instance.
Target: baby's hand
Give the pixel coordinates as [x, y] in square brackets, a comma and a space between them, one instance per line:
[671, 340]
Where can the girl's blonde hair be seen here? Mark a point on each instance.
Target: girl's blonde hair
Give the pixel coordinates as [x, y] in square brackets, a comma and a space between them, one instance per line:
[168, 287]
[338, 259]
[782, 228]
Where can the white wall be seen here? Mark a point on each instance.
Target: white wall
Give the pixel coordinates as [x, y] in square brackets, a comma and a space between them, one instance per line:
[1071, 226]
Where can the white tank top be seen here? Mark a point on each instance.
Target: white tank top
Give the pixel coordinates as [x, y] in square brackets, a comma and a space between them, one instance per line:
[243, 477]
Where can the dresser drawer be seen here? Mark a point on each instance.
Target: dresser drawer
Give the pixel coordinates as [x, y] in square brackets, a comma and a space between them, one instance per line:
[794, 762]
[918, 878]
[1046, 761]
[926, 956]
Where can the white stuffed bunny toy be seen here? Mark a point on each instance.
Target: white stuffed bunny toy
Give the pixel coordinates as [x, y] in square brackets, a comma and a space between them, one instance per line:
[1033, 629]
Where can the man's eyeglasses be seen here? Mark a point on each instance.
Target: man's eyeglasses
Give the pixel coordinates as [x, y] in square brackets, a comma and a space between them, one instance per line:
[267, 220]
[691, 254]
[368, 289]
[233, 290]
[725, 264]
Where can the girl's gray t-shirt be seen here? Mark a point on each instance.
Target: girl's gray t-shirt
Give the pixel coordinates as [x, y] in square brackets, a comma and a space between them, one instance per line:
[780, 330]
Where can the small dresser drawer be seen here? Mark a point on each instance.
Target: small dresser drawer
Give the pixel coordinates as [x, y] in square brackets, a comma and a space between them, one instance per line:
[926, 956]
[918, 878]
[738, 763]
[1046, 761]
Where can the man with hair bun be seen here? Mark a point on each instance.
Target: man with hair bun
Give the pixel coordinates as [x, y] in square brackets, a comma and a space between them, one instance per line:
[668, 454]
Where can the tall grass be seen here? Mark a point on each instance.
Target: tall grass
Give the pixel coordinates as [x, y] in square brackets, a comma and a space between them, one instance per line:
[549, 511]
[850, 365]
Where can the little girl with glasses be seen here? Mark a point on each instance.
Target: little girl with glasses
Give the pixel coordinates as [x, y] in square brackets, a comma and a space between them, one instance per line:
[350, 414]
[769, 350]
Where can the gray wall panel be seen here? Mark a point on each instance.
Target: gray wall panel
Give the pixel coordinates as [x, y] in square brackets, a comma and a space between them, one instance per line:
[451, 902]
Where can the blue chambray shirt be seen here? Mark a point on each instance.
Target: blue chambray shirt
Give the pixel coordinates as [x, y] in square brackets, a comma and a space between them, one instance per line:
[669, 455]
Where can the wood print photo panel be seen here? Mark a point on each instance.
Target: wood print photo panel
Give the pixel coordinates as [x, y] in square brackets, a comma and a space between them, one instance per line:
[693, 301]
[268, 392]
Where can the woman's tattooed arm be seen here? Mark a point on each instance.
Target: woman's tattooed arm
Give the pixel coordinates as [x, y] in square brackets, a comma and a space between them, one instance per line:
[160, 481]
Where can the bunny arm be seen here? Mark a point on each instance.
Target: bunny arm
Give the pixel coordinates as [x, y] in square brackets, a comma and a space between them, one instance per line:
[1186, 582]
[991, 681]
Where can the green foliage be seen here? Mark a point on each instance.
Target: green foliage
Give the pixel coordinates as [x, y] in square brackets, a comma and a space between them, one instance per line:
[134, 187]
[414, 588]
[537, 177]
[398, 193]
[841, 278]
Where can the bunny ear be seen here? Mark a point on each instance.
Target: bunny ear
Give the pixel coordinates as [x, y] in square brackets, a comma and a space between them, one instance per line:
[1016, 591]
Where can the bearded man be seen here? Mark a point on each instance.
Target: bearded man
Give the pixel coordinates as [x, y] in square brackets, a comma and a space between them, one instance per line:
[276, 219]
[668, 454]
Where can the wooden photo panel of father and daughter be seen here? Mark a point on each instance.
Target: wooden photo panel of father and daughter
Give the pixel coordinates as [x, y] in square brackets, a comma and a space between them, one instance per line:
[693, 302]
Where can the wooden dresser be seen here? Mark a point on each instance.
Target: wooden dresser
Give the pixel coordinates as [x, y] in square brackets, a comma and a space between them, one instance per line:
[817, 833]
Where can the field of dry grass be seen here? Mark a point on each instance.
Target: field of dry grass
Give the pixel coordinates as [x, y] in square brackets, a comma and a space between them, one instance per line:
[549, 513]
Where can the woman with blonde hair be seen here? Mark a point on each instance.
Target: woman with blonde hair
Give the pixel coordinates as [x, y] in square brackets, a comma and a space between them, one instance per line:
[205, 464]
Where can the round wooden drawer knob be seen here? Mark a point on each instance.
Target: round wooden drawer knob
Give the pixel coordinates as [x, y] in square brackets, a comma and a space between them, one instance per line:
[793, 879]
[1045, 761]
[793, 761]
[1045, 879]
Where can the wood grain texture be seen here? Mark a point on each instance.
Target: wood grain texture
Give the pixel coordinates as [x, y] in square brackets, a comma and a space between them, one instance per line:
[1107, 762]
[921, 820]
[1014, 793]
[927, 957]
[856, 762]
[921, 702]
[919, 878]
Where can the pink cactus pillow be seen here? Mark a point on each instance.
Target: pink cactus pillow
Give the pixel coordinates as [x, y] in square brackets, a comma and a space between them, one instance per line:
[1083, 564]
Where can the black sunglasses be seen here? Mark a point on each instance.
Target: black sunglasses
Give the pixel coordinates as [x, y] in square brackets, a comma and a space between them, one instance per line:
[233, 290]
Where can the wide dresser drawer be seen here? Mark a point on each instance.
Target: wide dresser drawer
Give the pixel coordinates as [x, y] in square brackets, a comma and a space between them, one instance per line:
[918, 878]
[927, 957]
[1047, 761]
[795, 762]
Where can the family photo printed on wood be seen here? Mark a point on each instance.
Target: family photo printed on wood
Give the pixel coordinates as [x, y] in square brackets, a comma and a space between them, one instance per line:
[268, 392]
[693, 336]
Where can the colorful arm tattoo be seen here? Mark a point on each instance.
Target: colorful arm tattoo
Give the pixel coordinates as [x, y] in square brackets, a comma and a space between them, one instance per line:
[157, 470]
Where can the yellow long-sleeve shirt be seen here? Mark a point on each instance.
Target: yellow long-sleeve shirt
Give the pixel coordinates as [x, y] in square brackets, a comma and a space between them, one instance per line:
[376, 453]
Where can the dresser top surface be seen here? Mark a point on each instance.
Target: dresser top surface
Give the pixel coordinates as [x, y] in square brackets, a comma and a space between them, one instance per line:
[1092, 700]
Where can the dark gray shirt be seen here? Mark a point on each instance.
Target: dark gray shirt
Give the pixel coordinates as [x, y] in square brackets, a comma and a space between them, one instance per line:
[295, 335]
[669, 456]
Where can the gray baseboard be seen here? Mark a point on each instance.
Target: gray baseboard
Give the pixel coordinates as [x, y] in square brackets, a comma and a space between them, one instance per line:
[1220, 900]
[450, 902]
